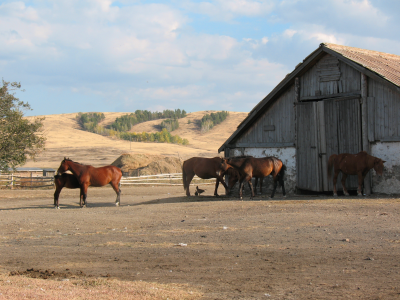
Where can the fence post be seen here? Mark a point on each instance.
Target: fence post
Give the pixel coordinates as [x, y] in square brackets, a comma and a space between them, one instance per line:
[12, 180]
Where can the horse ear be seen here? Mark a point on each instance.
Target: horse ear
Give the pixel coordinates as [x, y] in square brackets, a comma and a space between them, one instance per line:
[383, 161]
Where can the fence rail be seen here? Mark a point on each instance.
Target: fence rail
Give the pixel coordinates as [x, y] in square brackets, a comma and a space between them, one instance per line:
[162, 179]
[16, 181]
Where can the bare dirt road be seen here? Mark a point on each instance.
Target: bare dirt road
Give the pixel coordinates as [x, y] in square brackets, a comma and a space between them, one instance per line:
[304, 247]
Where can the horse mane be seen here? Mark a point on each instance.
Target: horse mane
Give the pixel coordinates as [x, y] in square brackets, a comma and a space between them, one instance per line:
[75, 162]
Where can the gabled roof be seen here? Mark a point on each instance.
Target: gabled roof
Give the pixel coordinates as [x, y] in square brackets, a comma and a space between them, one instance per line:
[377, 65]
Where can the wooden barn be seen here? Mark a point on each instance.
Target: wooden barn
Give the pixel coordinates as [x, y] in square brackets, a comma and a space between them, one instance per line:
[339, 99]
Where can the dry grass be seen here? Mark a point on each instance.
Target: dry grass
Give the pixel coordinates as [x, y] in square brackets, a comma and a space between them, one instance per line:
[21, 287]
[66, 139]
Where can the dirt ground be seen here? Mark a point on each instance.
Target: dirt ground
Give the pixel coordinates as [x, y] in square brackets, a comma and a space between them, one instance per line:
[300, 247]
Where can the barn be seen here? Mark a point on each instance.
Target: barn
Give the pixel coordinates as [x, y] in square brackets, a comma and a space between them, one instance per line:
[338, 100]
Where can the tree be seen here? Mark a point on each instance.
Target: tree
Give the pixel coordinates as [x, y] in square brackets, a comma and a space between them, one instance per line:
[19, 137]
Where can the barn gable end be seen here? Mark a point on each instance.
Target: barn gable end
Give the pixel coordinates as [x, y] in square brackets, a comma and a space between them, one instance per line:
[339, 99]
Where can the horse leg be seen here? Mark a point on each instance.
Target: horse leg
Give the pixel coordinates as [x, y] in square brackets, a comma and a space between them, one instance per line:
[216, 188]
[334, 183]
[84, 188]
[261, 184]
[360, 183]
[221, 179]
[252, 189]
[189, 178]
[275, 185]
[281, 182]
[117, 190]
[56, 196]
[344, 177]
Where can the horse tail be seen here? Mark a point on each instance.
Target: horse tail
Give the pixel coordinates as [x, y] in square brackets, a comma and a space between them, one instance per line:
[185, 185]
[331, 161]
[281, 173]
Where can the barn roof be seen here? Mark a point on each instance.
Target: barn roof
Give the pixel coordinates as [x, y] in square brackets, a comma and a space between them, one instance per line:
[378, 65]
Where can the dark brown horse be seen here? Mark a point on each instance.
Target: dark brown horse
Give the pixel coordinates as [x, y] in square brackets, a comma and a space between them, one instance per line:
[258, 167]
[91, 176]
[64, 180]
[204, 168]
[353, 164]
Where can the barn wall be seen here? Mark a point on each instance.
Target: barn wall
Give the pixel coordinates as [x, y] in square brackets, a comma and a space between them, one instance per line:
[389, 183]
[329, 76]
[281, 116]
[384, 112]
[288, 157]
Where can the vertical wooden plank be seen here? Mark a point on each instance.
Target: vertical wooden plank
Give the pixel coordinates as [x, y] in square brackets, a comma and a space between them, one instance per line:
[371, 119]
[322, 147]
[364, 127]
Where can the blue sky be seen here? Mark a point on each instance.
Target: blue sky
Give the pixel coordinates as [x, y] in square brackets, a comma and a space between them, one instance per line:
[119, 56]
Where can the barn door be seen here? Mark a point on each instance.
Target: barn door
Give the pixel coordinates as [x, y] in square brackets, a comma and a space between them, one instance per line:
[308, 168]
[342, 134]
[325, 128]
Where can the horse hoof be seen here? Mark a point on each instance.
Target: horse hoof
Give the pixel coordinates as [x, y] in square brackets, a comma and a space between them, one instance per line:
[56, 207]
[117, 204]
[360, 195]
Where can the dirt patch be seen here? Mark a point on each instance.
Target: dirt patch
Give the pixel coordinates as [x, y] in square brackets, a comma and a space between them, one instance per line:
[48, 274]
[305, 247]
[145, 164]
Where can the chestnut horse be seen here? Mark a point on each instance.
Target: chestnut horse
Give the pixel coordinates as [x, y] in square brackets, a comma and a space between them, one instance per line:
[258, 167]
[204, 168]
[64, 180]
[91, 176]
[353, 164]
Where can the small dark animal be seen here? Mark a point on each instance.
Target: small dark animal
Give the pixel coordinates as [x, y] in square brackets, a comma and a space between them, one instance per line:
[198, 191]
[91, 176]
[353, 164]
[258, 167]
[205, 168]
[64, 180]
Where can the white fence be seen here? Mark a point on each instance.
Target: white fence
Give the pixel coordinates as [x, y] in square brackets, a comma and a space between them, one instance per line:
[162, 179]
[16, 181]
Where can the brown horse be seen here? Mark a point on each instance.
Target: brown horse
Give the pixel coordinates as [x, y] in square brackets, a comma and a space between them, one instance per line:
[204, 168]
[353, 164]
[64, 180]
[234, 175]
[258, 167]
[91, 176]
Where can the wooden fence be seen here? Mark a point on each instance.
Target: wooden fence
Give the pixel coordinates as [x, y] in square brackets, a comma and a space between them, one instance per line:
[16, 181]
[162, 179]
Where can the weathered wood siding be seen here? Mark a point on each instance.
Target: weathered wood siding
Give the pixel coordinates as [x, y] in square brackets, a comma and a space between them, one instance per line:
[307, 147]
[329, 76]
[383, 112]
[275, 127]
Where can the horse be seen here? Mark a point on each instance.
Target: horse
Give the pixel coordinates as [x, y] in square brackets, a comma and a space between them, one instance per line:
[258, 167]
[353, 164]
[234, 175]
[64, 180]
[204, 168]
[90, 176]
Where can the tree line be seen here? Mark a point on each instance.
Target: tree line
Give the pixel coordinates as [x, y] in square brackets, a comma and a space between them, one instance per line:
[208, 121]
[125, 123]
[121, 126]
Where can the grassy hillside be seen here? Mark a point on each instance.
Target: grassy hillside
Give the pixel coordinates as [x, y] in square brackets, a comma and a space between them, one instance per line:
[66, 139]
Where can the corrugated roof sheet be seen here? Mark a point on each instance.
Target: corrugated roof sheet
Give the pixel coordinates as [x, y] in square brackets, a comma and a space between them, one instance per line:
[385, 64]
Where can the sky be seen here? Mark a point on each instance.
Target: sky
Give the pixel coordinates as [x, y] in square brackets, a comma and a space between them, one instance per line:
[75, 56]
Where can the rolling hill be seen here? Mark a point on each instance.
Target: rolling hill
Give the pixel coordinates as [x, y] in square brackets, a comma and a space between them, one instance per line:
[65, 138]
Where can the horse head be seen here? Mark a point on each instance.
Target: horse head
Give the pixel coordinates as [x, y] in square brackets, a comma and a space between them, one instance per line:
[63, 166]
[224, 165]
[378, 166]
